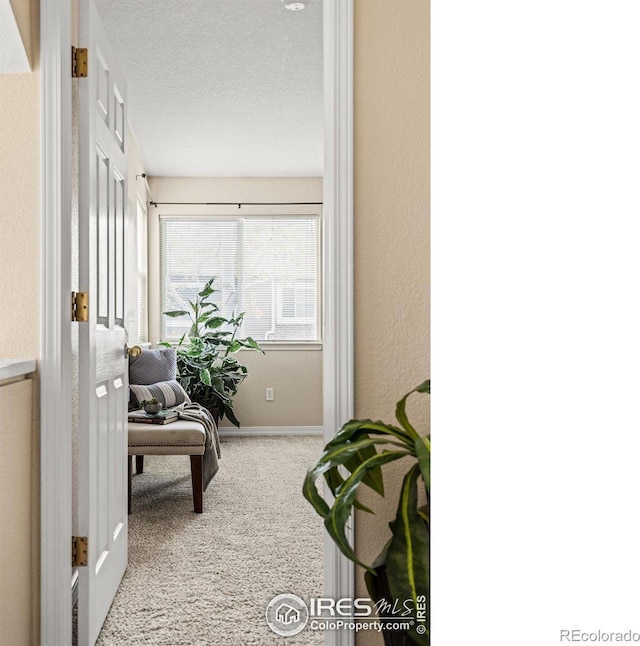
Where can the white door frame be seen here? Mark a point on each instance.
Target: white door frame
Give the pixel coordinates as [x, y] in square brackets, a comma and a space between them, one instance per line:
[337, 367]
[55, 288]
[55, 323]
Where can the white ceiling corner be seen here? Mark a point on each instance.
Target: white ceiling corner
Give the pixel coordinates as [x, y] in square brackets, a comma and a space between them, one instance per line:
[221, 88]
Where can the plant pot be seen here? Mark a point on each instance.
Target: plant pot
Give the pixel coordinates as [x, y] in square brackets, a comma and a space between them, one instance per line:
[152, 409]
[216, 412]
[381, 591]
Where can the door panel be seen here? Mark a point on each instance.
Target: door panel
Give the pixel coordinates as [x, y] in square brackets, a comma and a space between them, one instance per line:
[102, 393]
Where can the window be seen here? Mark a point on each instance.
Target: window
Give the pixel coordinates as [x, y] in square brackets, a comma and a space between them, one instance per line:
[267, 267]
[296, 304]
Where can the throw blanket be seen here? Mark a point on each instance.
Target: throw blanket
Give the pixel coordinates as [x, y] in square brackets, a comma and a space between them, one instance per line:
[194, 412]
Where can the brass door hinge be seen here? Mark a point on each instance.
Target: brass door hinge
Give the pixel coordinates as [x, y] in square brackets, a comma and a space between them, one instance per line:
[79, 62]
[80, 306]
[79, 551]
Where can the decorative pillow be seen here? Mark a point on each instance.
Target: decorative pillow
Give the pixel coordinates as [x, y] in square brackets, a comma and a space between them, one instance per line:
[153, 366]
[168, 393]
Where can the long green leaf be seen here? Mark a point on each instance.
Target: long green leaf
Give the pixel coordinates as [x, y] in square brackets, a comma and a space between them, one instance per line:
[310, 490]
[251, 343]
[215, 322]
[207, 290]
[330, 458]
[401, 416]
[424, 513]
[213, 339]
[373, 478]
[339, 514]
[401, 408]
[228, 411]
[176, 313]
[334, 480]
[218, 385]
[423, 452]
[354, 429]
[408, 553]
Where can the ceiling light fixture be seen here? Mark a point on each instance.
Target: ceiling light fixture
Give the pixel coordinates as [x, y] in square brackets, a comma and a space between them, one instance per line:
[295, 6]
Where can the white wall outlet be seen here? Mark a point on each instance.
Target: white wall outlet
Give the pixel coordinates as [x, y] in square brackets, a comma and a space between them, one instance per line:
[268, 394]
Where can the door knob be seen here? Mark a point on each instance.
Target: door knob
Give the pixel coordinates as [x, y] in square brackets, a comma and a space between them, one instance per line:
[134, 351]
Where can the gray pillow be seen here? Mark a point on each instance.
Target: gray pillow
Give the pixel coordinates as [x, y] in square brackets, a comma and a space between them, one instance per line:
[168, 393]
[153, 366]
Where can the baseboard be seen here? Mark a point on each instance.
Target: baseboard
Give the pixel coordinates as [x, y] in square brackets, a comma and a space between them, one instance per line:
[226, 431]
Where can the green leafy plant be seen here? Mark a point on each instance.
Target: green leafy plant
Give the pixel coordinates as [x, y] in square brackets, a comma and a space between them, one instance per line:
[355, 457]
[206, 368]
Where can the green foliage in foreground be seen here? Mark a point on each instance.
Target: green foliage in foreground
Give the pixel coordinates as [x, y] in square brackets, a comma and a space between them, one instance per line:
[355, 457]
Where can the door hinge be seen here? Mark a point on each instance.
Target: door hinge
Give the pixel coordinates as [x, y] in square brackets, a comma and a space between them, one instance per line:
[79, 551]
[79, 62]
[80, 306]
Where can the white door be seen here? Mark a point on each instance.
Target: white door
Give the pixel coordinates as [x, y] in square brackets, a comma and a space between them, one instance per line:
[103, 387]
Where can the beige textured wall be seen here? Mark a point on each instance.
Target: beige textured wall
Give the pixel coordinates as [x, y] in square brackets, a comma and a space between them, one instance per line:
[19, 209]
[296, 375]
[19, 574]
[20, 338]
[391, 81]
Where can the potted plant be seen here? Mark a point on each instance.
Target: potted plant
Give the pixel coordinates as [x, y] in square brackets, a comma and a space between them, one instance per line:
[355, 457]
[151, 406]
[206, 368]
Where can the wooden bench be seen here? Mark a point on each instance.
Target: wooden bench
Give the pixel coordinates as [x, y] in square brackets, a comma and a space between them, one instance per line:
[178, 438]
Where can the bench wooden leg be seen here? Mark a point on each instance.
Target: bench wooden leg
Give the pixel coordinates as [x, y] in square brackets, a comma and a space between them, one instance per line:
[196, 482]
[130, 478]
[139, 463]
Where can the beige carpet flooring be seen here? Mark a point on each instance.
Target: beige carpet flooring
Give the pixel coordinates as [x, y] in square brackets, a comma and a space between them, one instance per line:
[205, 579]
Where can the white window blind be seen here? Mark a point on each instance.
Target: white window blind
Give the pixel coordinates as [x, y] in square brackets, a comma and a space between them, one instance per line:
[267, 267]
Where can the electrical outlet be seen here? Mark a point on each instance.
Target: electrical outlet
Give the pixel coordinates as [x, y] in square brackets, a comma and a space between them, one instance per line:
[268, 394]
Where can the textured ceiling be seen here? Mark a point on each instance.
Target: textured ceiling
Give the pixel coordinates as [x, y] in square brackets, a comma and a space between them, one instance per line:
[221, 87]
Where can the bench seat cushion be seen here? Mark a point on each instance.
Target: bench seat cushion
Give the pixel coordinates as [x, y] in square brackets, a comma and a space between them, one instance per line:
[177, 438]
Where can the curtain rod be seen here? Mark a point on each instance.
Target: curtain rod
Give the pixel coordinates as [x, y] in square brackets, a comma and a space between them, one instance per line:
[240, 204]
